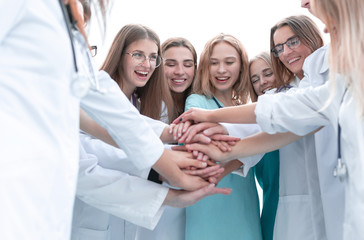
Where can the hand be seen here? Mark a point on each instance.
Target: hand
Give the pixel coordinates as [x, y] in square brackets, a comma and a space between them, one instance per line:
[208, 131]
[210, 150]
[179, 128]
[169, 169]
[229, 167]
[181, 199]
[207, 173]
[194, 114]
[185, 159]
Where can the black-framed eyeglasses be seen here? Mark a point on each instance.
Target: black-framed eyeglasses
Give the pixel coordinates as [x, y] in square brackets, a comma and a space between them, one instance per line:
[292, 43]
[93, 51]
[138, 57]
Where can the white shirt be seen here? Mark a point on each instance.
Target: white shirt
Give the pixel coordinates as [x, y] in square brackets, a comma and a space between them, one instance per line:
[39, 122]
[301, 113]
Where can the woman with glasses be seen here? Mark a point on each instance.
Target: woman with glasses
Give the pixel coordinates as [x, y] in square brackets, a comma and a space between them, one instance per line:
[222, 81]
[133, 62]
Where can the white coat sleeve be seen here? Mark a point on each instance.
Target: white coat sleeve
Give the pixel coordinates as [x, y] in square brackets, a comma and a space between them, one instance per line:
[132, 198]
[118, 116]
[157, 126]
[301, 111]
[242, 131]
[10, 13]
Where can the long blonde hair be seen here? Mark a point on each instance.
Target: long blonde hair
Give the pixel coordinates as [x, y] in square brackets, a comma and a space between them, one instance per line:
[344, 20]
[202, 83]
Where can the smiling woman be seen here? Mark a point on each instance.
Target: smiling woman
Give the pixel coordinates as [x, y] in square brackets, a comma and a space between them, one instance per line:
[133, 62]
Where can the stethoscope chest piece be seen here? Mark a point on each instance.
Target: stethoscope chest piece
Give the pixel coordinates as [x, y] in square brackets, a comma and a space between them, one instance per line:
[340, 170]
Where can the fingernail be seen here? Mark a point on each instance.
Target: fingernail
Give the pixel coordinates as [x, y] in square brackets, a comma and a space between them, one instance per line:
[204, 164]
[180, 120]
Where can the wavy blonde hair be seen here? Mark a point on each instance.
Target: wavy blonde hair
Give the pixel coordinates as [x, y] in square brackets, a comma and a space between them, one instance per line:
[202, 83]
[344, 20]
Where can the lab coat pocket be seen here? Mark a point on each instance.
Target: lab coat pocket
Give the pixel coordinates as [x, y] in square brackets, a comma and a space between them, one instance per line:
[294, 218]
[91, 234]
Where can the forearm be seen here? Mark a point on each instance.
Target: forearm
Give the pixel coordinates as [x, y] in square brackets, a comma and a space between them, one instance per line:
[261, 143]
[240, 114]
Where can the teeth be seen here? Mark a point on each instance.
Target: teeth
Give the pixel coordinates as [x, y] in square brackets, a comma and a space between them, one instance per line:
[294, 59]
[222, 78]
[178, 80]
[140, 72]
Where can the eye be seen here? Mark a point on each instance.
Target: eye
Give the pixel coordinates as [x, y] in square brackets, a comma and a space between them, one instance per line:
[230, 63]
[254, 80]
[137, 55]
[170, 64]
[153, 57]
[188, 65]
[214, 63]
[268, 74]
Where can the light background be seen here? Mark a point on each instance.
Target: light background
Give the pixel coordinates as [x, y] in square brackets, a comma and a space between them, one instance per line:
[199, 21]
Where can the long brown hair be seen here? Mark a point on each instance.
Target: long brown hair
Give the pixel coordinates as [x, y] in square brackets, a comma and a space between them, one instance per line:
[203, 85]
[179, 104]
[308, 33]
[156, 90]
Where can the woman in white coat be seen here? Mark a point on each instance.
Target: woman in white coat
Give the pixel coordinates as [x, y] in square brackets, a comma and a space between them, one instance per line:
[338, 102]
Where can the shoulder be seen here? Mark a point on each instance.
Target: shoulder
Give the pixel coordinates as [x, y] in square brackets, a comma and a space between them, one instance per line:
[317, 59]
[197, 100]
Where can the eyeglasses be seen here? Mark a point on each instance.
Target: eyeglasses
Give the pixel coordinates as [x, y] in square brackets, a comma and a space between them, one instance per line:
[292, 43]
[139, 58]
[93, 51]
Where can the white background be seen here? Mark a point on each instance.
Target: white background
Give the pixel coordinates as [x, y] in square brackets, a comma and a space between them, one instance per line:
[200, 20]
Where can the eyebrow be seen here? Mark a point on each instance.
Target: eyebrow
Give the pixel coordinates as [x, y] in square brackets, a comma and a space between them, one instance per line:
[266, 70]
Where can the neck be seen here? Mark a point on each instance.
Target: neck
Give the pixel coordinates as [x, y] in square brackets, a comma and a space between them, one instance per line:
[127, 90]
[225, 97]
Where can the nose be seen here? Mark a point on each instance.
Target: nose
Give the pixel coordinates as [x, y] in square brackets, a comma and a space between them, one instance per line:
[286, 50]
[263, 80]
[146, 63]
[221, 68]
[305, 4]
[178, 70]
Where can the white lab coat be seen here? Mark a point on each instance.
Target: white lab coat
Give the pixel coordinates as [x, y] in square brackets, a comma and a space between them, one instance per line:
[105, 188]
[303, 112]
[299, 213]
[39, 122]
[316, 71]
[115, 113]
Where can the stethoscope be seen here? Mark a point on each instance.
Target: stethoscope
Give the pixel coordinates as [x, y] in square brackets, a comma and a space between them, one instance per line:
[340, 170]
[81, 83]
